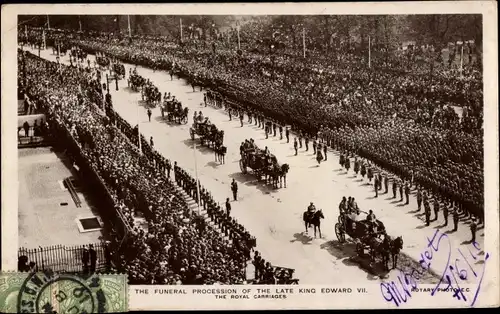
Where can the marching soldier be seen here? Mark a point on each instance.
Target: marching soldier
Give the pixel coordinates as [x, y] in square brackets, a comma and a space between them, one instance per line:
[419, 198]
[456, 217]
[287, 134]
[234, 189]
[295, 145]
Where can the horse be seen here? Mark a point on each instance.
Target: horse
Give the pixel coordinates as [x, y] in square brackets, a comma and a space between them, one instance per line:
[395, 248]
[313, 219]
[319, 158]
[282, 174]
[220, 153]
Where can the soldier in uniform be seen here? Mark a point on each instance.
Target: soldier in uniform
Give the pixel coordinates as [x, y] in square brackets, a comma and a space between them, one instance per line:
[436, 208]
[401, 190]
[473, 229]
[419, 198]
[295, 145]
[234, 189]
[407, 193]
[375, 185]
[456, 217]
[241, 118]
[228, 207]
[394, 188]
[306, 141]
[315, 144]
[386, 183]
[445, 214]
[151, 143]
[266, 129]
[274, 128]
[325, 150]
[427, 210]
[281, 132]
[300, 139]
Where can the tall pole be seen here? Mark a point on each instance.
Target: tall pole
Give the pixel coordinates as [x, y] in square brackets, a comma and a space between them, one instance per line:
[180, 24]
[48, 22]
[462, 59]
[43, 40]
[304, 41]
[26, 31]
[129, 31]
[196, 175]
[80, 22]
[238, 29]
[138, 130]
[369, 52]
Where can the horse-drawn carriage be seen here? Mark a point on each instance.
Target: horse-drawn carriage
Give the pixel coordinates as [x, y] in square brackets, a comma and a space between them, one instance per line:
[78, 53]
[118, 70]
[262, 164]
[102, 61]
[208, 133]
[135, 81]
[174, 111]
[369, 235]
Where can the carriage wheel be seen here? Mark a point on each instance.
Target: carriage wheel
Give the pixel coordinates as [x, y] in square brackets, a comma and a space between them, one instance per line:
[185, 120]
[341, 219]
[360, 249]
[243, 167]
[339, 232]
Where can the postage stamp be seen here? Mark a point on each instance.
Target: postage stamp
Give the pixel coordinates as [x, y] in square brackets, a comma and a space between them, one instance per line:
[48, 292]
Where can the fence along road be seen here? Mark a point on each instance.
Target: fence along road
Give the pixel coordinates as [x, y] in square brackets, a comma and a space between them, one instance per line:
[274, 217]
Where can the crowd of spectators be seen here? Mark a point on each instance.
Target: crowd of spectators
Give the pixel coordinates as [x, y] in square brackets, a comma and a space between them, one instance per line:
[177, 247]
[406, 120]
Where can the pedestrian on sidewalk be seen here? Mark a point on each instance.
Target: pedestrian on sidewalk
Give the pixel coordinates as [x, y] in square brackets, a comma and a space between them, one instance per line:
[234, 189]
[473, 229]
[149, 114]
[228, 207]
[295, 146]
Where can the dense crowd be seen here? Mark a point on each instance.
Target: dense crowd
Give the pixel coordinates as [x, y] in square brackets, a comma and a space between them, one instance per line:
[177, 247]
[404, 121]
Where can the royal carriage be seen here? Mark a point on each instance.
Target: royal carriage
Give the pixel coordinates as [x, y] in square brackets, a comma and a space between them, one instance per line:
[175, 112]
[135, 82]
[366, 234]
[208, 133]
[263, 165]
[118, 70]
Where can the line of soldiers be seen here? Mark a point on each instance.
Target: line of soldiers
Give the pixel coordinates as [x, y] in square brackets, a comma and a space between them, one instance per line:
[242, 240]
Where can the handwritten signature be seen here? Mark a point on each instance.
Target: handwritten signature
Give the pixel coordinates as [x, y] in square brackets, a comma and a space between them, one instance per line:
[453, 274]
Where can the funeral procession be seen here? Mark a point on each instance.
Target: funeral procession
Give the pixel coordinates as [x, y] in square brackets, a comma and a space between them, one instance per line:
[249, 149]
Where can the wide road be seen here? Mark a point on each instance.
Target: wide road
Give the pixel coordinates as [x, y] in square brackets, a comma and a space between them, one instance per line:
[275, 216]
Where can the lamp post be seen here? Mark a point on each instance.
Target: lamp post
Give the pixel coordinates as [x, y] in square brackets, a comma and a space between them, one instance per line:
[196, 177]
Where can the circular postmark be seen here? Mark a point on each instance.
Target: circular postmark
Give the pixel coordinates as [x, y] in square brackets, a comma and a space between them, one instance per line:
[47, 292]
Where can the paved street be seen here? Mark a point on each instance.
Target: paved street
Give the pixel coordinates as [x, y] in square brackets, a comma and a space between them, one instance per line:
[275, 216]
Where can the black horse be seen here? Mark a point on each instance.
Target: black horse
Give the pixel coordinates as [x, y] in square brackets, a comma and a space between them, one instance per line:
[395, 248]
[313, 219]
[387, 249]
[220, 153]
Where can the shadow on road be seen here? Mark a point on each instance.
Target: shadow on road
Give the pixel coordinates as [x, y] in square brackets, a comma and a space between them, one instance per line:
[160, 119]
[301, 237]
[202, 149]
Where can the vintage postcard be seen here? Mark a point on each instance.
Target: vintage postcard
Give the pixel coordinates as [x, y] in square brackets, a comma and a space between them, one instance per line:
[249, 156]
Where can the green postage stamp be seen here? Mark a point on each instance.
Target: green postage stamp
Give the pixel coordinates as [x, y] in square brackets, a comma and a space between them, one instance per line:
[48, 292]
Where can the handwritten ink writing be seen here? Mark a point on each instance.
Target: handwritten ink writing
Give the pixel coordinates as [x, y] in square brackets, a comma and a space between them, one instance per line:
[454, 272]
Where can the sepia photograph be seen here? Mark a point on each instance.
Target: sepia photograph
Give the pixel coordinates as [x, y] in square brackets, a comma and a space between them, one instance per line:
[233, 150]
